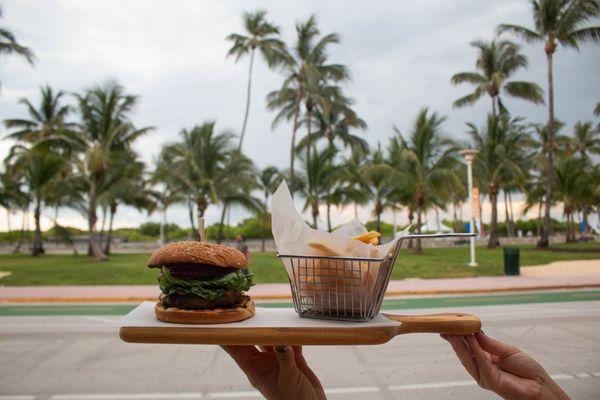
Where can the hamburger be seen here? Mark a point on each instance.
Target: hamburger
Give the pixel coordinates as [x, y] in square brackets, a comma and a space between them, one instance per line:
[201, 283]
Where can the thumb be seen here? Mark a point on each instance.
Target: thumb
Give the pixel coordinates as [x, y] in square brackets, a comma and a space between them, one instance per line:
[287, 364]
[495, 347]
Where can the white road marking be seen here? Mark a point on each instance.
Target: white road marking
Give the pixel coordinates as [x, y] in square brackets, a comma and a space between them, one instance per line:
[100, 319]
[431, 385]
[357, 389]
[17, 397]
[127, 396]
[233, 395]
[562, 376]
[583, 375]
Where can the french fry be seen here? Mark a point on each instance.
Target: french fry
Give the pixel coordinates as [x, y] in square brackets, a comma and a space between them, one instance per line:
[369, 237]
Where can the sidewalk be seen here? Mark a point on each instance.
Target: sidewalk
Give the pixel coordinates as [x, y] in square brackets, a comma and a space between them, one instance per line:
[281, 291]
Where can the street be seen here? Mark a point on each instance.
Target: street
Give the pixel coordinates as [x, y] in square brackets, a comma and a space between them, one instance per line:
[81, 357]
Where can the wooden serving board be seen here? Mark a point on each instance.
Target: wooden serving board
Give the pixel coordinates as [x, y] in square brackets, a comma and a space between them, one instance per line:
[282, 326]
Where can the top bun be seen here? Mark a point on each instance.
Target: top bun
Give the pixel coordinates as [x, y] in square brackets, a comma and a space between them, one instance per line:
[191, 253]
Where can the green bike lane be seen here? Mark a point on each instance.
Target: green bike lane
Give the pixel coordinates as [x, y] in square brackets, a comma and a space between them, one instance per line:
[11, 310]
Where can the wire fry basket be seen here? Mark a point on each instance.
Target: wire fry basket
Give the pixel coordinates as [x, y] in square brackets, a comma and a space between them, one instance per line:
[343, 288]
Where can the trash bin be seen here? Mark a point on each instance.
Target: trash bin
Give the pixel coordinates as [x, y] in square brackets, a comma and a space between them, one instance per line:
[511, 261]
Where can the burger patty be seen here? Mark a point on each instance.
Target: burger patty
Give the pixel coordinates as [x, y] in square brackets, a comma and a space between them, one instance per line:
[229, 299]
[198, 271]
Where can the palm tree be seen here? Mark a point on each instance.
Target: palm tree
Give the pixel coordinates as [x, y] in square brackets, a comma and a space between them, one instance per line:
[586, 139]
[428, 162]
[352, 179]
[9, 45]
[498, 162]
[123, 184]
[12, 196]
[268, 180]
[380, 181]
[496, 62]
[334, 120]
[199, 161]
[46, 121]
[234, 184]
[316, 180]
[39, 168]
[105, 129]
[260, 35]
[306, 70]
[168, 192]
[570, 184]
[556, 21]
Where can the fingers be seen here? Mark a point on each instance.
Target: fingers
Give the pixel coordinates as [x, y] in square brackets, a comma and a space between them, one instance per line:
[310, 375]
[285, 358]
[494, 346]
[464, 355]
[481, 357]
[242, 355]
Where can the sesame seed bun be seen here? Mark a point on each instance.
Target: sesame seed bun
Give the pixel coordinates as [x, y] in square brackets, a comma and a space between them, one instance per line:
[189, 253]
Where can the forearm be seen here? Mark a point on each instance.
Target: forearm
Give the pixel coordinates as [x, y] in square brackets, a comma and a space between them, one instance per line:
[551, 391]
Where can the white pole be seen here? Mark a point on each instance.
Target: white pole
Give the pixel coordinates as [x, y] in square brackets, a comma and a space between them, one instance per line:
[469, 160]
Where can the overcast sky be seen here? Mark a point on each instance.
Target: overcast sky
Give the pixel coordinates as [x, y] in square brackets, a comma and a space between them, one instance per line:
[401, 55]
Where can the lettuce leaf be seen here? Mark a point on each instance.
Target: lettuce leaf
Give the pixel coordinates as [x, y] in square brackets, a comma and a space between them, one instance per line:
[210, 289]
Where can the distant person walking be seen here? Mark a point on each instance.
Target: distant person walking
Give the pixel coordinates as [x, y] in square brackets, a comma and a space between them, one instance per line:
[243, 247]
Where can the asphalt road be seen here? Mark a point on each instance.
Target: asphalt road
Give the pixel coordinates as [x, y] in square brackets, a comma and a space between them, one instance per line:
[80, 357]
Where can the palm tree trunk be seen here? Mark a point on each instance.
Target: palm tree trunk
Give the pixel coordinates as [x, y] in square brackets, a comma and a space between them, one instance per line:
[315, 213]
[8, 225]
[513, 225]
[454, 218]
[308, 126]
[194, 233]
[506, 216]
[103, 225]
[38, 247]
[329, 216]
[411, 217]
[355, 210]
[418, 247]
[494, 106]
[544, 239]
[247, 99]
[222, 223]
[293, 148]
[263, 223]
[94, 246]
[17, 248]
[493, 240]
[113, 211]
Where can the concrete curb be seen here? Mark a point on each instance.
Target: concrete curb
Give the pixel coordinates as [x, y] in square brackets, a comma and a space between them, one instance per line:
[25, 300]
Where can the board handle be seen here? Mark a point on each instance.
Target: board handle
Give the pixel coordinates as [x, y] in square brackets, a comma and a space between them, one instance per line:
[449, 323]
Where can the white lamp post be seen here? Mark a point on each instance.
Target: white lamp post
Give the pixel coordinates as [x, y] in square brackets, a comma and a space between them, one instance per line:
[469, 154]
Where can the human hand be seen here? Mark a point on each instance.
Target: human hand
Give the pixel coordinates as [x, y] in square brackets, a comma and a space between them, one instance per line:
[503, 368]
[279, 372]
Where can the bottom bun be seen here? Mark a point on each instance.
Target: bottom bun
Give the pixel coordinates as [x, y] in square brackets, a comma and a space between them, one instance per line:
[217, 316]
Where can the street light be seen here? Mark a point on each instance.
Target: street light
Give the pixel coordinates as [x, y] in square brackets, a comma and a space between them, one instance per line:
[469, 154]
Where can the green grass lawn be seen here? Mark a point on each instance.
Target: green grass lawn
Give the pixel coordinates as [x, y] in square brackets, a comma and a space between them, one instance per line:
[130, 269]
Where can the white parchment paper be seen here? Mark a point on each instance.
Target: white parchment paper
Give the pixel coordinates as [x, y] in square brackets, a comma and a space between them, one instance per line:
[293, 236]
